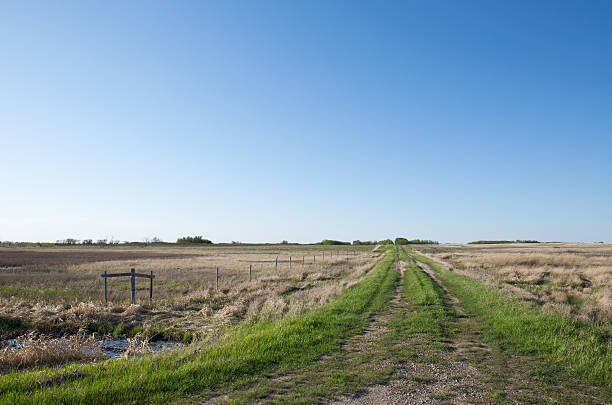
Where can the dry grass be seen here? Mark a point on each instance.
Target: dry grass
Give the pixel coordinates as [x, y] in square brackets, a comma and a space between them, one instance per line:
[60, 291]
[572, 279]
[136, 347]
[33, 350]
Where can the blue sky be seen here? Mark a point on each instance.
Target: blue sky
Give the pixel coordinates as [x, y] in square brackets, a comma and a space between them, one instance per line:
[268, 120]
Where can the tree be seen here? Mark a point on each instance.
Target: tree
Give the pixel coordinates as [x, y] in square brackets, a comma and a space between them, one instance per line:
[194, 239]
[364, 242]
[401, 241]
[333, 242]
[423, 242]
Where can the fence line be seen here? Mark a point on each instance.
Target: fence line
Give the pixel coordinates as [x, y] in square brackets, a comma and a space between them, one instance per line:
[133, 275]
[290, 261]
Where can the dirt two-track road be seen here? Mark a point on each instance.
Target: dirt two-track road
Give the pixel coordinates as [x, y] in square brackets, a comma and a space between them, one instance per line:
[465, 371]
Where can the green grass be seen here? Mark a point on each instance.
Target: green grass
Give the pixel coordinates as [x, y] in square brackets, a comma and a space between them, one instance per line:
[432, 315]
[575, 347]
[247, 352]
[46, 293]
[8, 323]
[421, 379]
[418, 325]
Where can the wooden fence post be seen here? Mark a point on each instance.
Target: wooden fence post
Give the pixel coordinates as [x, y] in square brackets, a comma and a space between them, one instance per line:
[314, 259]
[290, 262]
[250, 272]
[132, 275]
[133, 281]
[276, 264]
[217, 279]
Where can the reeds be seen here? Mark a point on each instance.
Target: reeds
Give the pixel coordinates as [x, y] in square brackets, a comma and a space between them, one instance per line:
[34, 349]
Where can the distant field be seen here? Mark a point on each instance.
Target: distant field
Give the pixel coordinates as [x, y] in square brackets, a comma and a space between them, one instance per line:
[572, 279]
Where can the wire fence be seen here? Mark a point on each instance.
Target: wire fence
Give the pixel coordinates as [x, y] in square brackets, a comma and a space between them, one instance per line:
[221, 278]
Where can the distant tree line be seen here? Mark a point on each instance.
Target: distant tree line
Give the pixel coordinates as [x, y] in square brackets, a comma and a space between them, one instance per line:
[373, 242]
[88, 242]
[482, 242]
[194, 239]
[364, 242]
[357, 242]
[404, 241]
[71, 241]
[198, 239]
[398, 241]
[333, 242]
[10, 243]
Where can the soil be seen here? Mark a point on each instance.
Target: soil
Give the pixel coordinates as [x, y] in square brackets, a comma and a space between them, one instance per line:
[15, 258]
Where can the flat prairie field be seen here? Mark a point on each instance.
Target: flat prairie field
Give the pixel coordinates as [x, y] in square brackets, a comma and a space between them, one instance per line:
[59, 290]
[504, 323]
[574, 279]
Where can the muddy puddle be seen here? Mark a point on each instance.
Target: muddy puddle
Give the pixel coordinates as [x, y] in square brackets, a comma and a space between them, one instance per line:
[115, 348]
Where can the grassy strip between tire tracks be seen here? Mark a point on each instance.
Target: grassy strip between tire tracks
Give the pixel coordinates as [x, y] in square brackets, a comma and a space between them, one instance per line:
[578, 348]
[249, 351]
[431, 315]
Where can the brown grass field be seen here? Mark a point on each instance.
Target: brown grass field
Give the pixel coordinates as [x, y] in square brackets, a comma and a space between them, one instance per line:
[574, 279]
[58, 291]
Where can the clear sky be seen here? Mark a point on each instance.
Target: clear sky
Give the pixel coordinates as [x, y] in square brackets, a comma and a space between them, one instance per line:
[302, 120]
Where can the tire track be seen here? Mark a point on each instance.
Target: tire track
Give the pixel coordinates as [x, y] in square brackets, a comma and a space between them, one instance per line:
[436, 375]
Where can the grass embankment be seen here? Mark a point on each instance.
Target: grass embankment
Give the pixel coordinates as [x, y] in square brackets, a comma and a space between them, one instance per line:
[578, 348]
[249, 351]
